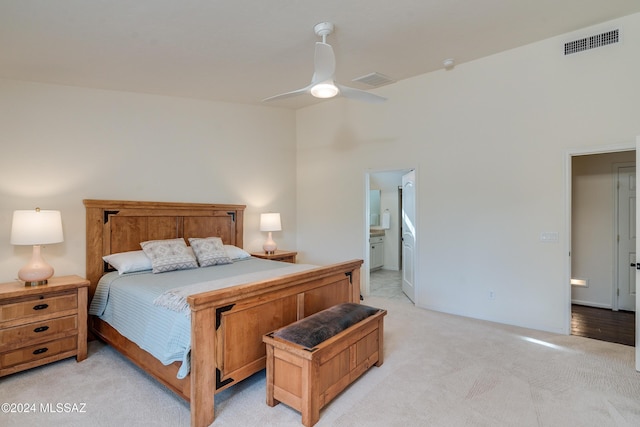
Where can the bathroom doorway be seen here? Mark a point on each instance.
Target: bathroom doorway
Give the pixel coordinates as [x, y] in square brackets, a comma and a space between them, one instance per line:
[383, 240]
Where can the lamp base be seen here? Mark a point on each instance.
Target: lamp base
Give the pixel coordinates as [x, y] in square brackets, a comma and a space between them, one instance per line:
[37, 271]
[37, 283]
[269, 246]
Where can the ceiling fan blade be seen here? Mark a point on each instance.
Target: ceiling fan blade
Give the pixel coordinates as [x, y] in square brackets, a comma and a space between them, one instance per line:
[360, 95]
[324, 63]
[288, 94]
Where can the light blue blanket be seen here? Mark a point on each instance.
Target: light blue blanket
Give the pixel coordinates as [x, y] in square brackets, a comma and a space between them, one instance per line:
[126, 302]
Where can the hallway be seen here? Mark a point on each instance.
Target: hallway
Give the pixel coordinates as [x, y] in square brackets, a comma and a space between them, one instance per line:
[603, 324]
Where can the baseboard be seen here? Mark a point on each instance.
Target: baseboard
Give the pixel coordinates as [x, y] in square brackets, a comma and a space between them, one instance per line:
[591, 304]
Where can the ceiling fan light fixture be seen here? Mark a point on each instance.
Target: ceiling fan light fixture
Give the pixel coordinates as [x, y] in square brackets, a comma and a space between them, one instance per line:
[324, 90]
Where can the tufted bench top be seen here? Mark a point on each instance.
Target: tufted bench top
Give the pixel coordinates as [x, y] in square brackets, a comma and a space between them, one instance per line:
[321, 326]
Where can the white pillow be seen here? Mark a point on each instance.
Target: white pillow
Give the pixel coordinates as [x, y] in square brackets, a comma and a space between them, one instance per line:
[209, 251]
[128, 262]
[169, 255]
[235, 253]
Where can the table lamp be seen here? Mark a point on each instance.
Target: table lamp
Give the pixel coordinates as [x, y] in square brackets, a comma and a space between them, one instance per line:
[270, 222]
[36, 227]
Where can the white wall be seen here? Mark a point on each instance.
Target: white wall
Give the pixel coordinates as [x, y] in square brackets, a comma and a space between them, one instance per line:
[489, 141]
[592, 229]
[61, 145]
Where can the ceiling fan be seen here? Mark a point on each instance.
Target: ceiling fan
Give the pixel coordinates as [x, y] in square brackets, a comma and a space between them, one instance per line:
[323, 83]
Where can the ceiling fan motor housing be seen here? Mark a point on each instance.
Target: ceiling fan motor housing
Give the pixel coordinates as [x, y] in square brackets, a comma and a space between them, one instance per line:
[323, 29]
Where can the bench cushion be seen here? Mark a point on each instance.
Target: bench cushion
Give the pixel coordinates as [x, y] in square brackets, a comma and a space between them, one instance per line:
[321, 326]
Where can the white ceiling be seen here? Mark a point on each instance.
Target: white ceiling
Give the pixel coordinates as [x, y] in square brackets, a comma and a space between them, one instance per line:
[246, 50]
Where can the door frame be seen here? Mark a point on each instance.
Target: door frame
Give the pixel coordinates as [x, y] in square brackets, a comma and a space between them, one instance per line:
[367, 262]
[569, 154]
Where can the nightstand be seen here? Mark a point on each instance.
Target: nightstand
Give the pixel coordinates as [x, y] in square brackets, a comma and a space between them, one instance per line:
[278, 255]
[42, 324]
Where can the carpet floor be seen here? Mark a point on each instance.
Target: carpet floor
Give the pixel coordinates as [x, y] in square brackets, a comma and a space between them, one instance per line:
[439, 370]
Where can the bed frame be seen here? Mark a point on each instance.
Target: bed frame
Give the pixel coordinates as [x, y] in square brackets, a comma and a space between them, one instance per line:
[227, 325]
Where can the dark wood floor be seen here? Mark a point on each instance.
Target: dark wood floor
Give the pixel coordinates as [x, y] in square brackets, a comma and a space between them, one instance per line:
[603, 324]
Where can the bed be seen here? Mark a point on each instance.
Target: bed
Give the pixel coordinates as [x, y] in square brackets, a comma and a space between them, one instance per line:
[226, 325]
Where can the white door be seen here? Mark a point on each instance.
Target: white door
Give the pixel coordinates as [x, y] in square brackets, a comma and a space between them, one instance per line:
[408, 234]
[625, 294]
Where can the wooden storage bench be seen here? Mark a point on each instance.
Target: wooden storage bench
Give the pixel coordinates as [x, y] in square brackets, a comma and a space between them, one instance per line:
[312, 360]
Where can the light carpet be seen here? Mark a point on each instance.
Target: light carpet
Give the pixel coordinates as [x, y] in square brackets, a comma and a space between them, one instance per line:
[439, 370]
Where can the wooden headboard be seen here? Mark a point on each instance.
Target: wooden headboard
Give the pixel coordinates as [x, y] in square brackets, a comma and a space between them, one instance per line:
[117, 226]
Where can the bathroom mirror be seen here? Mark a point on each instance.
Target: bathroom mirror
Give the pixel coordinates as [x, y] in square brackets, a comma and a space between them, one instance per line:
[374, 207]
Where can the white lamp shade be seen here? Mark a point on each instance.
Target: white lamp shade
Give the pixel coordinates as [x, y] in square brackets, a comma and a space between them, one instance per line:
[270, 222]
[36, 227]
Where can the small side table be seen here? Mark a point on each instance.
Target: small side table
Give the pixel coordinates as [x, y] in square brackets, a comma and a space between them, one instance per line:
[278, 255]
[42, 324]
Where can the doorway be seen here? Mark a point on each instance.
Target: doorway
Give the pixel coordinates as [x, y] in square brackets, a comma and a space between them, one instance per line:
[383, 274]
[600, 226]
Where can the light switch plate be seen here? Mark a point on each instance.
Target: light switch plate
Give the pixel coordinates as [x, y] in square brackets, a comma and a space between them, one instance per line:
[549, 236]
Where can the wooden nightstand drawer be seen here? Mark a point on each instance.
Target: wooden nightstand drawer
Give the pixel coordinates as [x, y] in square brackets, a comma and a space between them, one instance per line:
[37, 331]
[40, 351]
[38, 306]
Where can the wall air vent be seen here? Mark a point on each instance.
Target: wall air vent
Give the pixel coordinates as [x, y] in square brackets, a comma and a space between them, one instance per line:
[591, 42]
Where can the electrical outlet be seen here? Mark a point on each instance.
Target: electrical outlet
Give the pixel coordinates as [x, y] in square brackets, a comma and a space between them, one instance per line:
[492, 295]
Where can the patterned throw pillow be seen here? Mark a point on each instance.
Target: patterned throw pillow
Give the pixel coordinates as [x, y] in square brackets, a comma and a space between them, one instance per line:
[169, 255]
[209, 251]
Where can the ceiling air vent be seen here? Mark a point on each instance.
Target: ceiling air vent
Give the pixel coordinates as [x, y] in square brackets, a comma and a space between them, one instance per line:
[374, 79]
[591, 42]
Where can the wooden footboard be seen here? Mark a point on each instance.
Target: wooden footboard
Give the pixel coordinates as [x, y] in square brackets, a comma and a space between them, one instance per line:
[243, 314]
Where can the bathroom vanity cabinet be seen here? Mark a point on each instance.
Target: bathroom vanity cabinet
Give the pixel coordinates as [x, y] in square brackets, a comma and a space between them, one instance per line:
[376, 252]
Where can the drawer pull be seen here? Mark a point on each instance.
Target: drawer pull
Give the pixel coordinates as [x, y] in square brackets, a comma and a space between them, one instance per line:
[41, 329]
[40, 350]
[40, 306]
